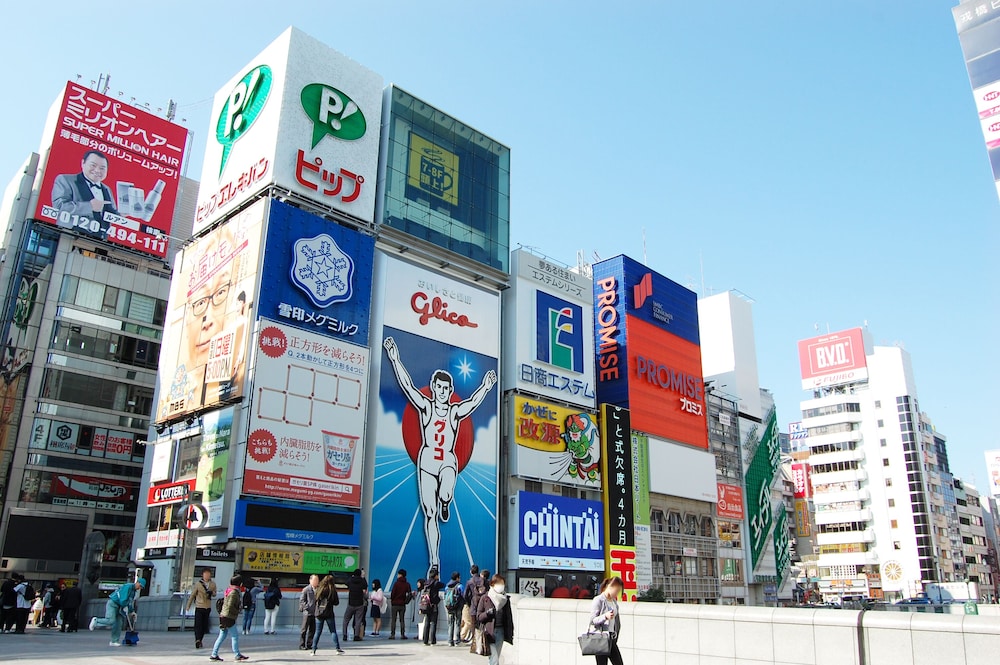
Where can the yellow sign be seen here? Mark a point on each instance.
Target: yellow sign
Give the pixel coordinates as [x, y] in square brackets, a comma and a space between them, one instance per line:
[433, 169]
[802, 527]
[539, 425]
[272, 561]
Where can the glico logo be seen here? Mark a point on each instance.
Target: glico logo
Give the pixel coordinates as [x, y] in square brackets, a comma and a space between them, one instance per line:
[332, 112]
[559, 332]
[243, 106]
[437, 309]
[642, 290]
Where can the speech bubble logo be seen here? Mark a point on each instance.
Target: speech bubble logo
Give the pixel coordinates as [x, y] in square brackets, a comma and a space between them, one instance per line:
[246, 101]
[332, 112]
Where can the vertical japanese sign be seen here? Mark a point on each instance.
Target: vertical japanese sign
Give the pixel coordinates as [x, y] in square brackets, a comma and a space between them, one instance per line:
[782, 548]
[619, 498]
[100, 143]
[643, 534]
[760, 475]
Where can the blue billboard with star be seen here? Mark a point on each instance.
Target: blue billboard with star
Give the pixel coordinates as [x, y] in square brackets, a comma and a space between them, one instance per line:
[317, 274]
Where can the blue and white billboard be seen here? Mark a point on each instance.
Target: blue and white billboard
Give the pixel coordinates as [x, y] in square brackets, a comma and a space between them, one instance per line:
[559, 532]
[291, 523]
[317, 274]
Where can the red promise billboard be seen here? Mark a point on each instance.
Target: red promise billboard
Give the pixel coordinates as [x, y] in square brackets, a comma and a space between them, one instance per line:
[834, 358]
[112, 172]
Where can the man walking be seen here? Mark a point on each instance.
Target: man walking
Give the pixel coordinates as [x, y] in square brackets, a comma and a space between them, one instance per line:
[71, 599]
[201, 597]
[8, 603]
[25, 597]
[357, 602]
[307, 606]
[399, 598]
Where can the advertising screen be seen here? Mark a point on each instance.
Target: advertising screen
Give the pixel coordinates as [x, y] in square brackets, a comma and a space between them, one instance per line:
[307, 422]
[435, 494]
[555, 443]
[284, 522]
[112, 172]
[203, 359]
[299, 115]
[317, 275]
[551, 333]
[559, 532]
[832, 359]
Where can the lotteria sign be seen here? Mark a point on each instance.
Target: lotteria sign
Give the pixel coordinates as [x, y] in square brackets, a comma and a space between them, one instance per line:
[833, 359]
[160, 495]
[558, 532]
[648, 351]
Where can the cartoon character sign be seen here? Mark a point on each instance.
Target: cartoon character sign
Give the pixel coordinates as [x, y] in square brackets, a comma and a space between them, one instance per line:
[580, 435]
[555, 443]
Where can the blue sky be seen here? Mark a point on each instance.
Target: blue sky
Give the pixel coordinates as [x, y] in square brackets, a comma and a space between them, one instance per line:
[825, 158]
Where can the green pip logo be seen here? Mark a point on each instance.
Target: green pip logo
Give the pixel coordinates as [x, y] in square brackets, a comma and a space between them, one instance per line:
[242, 108]
[332, 112]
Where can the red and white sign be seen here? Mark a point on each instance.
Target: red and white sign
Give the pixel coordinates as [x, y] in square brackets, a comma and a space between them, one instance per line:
[833, 359]
[161, 495]
[112, 172]
[730, 503]
[988, 100]
[800, 476]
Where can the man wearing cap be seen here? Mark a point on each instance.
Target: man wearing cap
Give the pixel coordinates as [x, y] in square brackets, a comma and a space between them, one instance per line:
[121, 603]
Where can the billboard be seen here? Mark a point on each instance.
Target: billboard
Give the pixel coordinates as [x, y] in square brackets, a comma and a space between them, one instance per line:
[833, 359]
[648, 351]
[269, 561]
[800, 478]
[549, 338]
[993, 471]
[101, 143]
[559, 533]
[437, 419]
[554, 443]
[24, 316]
[619, 498]
[203, 359]
[317, 275]
[759, 476]
[163, 495]
[302, 116]
[307, 421]
[642, 513]
[213, 464]
[257, 519]
[730, 502]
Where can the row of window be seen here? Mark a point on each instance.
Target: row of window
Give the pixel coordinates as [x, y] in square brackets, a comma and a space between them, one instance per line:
[841, 527]
[112, 300]
[87, 390]
[830, 409]
[834, 447]
[683, 566]
[689, 525]
[834, 429]
[849, 465]
[105, 345]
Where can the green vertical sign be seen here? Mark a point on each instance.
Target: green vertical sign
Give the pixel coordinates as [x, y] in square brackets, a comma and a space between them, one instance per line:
[640, 503]
[782, 553]
[759, 477]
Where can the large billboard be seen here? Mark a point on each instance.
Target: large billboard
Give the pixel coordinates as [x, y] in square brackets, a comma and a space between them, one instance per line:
[759, 476]
[559, 533]
[317, 275]
[833, 359]
[619, 498]
[302, 116]
[554, 443]
[549, 339]
[648, 351]
[642, 513]
[203, 360]
[437, 418]
[213, 465]
[112, 172]
[993, 471]
[307, 420]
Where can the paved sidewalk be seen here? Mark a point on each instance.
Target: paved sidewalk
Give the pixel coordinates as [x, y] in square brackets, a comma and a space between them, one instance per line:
[43, 646]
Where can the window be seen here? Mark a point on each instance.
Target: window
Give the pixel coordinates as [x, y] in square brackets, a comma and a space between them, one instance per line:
[533, 486]
[892, 503]
[706, 527]
[707, 567]
[878, 404]
[888, 482]
[881, 423]
[570, 492]
[656, 519]
[674, 522]
[882, 443]
[893, 524]
[691, 525]
[896, 545]
[690, 566]
[885, 461]
[831, 409]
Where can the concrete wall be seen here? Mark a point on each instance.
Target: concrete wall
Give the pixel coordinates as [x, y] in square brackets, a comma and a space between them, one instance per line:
[545, 632]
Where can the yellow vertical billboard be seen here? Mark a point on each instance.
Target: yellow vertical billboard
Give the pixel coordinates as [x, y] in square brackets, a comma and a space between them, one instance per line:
[433, 169]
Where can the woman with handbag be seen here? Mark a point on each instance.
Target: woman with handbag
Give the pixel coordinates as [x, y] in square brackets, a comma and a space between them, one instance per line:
[604, 617]
[326, 598]
[495, 619]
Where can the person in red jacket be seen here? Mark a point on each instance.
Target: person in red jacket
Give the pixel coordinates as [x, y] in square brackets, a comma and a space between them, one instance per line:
[399, 597]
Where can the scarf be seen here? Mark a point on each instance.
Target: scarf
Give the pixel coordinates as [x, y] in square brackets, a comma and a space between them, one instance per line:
[499, 599]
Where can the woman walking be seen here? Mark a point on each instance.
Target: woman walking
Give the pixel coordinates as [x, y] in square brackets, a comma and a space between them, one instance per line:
[326, 598]
[495, 617]
[377, 598]
[272, 600]
[604, 616]
[231, 606]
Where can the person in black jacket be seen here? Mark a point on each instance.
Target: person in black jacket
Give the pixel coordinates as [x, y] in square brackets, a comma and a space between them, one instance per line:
[495, 617]
[434, 587]
[70, 599]
[357, 601]
[8, 602]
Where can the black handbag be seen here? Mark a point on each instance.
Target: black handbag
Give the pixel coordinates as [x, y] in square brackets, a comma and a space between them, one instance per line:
[595, 643]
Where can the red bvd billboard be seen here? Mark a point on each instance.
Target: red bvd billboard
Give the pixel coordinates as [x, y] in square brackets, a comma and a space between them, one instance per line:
[832, 359]
[112, 172]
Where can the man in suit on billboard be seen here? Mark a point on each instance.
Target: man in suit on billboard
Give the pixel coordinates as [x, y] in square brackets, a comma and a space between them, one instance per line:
[85, 194]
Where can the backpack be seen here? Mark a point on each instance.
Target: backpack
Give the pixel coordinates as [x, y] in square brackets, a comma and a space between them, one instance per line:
[271, 599]
[453, 597]
[29, 592]
[218, 605]
[425, 600]
[248, 600]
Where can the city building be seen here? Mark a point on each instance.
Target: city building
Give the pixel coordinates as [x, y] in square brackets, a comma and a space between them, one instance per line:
[943, 506]
[972, 531]
[88, 228]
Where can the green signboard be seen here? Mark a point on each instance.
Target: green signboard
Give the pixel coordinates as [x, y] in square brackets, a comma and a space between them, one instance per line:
[760, 475]
[782, 551]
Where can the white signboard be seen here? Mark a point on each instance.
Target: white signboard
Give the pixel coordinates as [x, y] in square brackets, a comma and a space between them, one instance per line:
[163, 453]
[993, 472]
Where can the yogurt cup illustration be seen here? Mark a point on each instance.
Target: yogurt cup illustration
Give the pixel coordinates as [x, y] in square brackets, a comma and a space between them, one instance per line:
[339, 454]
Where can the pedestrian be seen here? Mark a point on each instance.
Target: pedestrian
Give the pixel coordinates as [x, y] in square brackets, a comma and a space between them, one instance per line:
[55, 605]
[419, 594]
[379, 602]
[477, 589]
[433, 592]
[399, 598]
[357, 601]
[120, 605]
[495, 617]
[468, 621]
[25, 595]
[307, 608]
[8, 602]
[604, 616]
[37, 608]
[48, 601]
[231, 605]
[326, 599]
[454, 600]
[250, 605]
[272, 599]
[201, 597]
[70, 600]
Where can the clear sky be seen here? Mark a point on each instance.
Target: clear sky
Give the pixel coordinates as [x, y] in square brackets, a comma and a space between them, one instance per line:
[825, 158]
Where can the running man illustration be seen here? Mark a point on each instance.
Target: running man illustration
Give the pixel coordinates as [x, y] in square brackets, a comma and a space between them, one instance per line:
[439, 421]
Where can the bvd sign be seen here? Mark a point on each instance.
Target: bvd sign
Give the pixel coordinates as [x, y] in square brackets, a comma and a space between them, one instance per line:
[833, 359]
